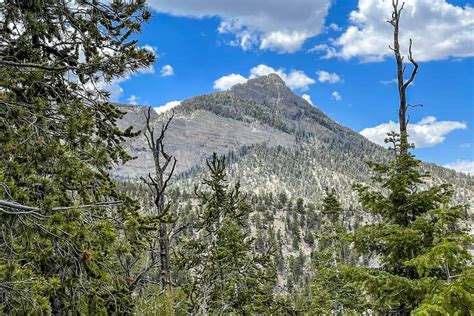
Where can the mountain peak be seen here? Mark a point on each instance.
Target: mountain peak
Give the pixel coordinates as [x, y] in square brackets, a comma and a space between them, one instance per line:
[272, 78]
[269, 89]
[270, 81]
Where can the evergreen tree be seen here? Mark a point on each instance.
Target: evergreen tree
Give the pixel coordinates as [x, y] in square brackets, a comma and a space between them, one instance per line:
[62, 220]
[331, 293]
[224, 274]
[417, 236]
[418, 240]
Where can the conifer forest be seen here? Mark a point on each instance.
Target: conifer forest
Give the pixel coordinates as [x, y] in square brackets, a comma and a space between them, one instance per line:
[249, 200]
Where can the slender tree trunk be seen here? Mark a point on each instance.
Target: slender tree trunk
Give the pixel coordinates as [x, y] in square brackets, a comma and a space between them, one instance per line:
[158, 185]
[402, 84]
[163, 230]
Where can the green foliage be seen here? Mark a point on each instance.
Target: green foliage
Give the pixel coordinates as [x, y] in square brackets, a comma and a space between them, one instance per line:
[223, 272]
[330, 291]
[58, 139]
[152, 302]
[418, 241]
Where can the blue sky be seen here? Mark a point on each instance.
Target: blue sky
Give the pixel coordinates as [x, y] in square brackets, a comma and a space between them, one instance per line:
[335, 52]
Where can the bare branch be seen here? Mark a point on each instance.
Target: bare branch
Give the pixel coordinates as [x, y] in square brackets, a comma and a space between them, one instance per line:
[415, 65]
[165, 184]
[32, 65]
[158, 185]
[151, 131]
[401, 69]
[24, 209]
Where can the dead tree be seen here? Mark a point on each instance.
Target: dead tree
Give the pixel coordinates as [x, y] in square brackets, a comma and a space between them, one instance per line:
[402, 84]
[164, 168]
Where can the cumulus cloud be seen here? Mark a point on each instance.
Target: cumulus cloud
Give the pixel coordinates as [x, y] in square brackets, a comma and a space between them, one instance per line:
[295, 79]
[336, 96]
[167, 70]
[324, 76]
[307, 97]
[166, 107]
[226, 82]
[464, 166]
[268, 25]
[264, 70]
[439, 30]
[283, 41]
[428, 132]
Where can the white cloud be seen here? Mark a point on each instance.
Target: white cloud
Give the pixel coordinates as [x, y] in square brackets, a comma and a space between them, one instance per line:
[167, 70]
[264, 70]
[295, 79]
[466, 145]
[226, 82]
[166, 107]
[324, 76]
[269, 25]
[336, 96]
[307, 97]
[428, 132]
[113, 87]
[334, 27]
[329, 51]
[133, 99]
[439, 30]
[387, 82]
[283, 42]
[464, 166]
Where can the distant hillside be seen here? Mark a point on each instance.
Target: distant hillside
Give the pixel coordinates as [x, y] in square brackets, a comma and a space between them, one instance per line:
[277, 142]
[284, 151]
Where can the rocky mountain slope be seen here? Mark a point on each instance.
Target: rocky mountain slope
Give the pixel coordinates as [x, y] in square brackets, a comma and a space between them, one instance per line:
[284, 151]
[276, 142]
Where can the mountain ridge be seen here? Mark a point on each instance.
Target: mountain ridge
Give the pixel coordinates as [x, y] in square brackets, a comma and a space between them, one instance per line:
[263, 124]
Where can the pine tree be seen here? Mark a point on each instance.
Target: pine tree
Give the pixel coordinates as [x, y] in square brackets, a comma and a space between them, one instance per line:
[62, 219]
[418, 240]
[331, 293]
[224, 274]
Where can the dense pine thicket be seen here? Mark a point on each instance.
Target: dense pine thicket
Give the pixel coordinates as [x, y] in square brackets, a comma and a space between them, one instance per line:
[64, 227]
[403, 238]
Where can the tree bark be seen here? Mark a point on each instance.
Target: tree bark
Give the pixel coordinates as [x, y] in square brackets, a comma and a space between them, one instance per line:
[164, 168]
[402, 84]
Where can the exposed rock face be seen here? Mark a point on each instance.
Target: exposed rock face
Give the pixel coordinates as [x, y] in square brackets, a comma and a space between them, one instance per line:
[277, 142]
[195, 136]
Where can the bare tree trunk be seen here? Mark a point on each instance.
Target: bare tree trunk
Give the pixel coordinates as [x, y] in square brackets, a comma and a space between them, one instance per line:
[164, 167]
[402, 84]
